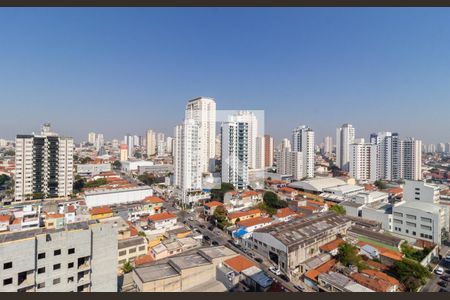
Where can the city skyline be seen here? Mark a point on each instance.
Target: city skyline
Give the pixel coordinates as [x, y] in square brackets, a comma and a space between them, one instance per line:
[125, 71]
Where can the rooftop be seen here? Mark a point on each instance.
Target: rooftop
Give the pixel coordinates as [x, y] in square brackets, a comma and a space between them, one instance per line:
[161, 216]
[131, 242]
[317, 184]
[332, 245]
[155, 272]
[254, 221]
[188, 261]
[216, 252]
[100, 210]
[419, 205]
[301, 230]
[213, 204]
[241, 214]
[239, 263]
[153, 200]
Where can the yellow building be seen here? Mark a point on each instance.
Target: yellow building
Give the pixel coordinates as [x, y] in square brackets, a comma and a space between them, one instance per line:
[101, 213]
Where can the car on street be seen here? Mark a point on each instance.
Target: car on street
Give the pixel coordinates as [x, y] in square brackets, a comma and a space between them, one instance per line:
[206, 238]
[275, 271]
[284, 277]
[300, 288]
[215, 243]
[447, 258]
[259, 260]
[443, 284]
[439, 271]
[446, 278]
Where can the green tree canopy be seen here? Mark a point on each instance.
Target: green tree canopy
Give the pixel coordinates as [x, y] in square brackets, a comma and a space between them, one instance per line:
[349, 255]
[339, 209]
[127, 267]
[220, 215]
[411, 273]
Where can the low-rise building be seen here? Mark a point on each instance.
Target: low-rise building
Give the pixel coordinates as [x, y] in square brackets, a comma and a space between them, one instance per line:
[210, 207]
[164, 220]
[291, 243]
[130, 249]
[243, 215]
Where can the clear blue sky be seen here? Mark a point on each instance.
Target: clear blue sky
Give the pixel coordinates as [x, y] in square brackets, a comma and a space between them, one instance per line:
[119, 70]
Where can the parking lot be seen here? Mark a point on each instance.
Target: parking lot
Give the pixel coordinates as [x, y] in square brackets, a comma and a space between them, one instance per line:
[439, 282]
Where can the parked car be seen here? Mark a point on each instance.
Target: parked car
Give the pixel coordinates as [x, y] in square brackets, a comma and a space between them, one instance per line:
[444, 284]
[206, 238]
[284, 277]
[447, 258]
[275, 271]
[259, 260]
[215, 243]
[300, 288]
[439, 271]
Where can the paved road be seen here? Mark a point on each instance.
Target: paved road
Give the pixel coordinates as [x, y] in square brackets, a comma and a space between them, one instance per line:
[433, 284]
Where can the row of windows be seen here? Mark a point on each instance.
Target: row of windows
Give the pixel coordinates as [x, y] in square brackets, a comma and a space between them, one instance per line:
[56, 253]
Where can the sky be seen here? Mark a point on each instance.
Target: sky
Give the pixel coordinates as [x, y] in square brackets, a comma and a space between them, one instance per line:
[124, 70]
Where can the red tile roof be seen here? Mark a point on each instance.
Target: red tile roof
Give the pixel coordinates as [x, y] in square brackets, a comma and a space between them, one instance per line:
[5, 218]
[287, 190]
[375, 284]
[314, 273]
[384, 251]
[240, 214]
[254, 221]
[249, 194]
[395, 190]
[100, 211]
[285, 212]
[153, 199]
[161, 216]
[332, 245]
[381, 275]
[143, 260]
[213, 204]
[54, 216]
[239, 263]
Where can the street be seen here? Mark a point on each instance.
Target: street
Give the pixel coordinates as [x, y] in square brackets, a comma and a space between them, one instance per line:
[437, 282]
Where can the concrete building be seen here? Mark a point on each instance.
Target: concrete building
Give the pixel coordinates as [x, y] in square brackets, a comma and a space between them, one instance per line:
[260, 154]
[328, 145]
[411, 159]
[129, 166]
[106, 197]
[235, 153]
[81, 257]
[268, 151]
[389, 155]
[187, 157]
[344, 138]
[290, 244]
[252, 134]
[123, 152]
[93, 169]
[131, 248]
[363, 162]
[187, 272]
[129, 140]
[203, 111]
[91, 138]
[156, 169]
[44, 165]
[151, 143]
[303, 141]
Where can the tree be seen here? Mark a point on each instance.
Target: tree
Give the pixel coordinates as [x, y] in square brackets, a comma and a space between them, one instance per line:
[142, 234]
[219, 193]
[78, 185]
[220, 215]
[411, 273]
[117, 164]
[273, 201]
[349, 255]
[381, 184]
[413, 253]
[127, 267]
[338, 209]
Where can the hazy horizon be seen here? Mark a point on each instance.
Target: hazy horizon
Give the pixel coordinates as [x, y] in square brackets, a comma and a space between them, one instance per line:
[125, 70]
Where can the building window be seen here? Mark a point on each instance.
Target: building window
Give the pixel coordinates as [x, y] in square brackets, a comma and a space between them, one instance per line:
[56, 281]
[41, 285]
[427, 220]
[122, 253]
[141, 248]
[425, 227]
[70, 265]
[41, 270]
[411, 217]
[57, 252]
[56, 267]
[122, 261]
[7, 265]
[132, 250]
[397, 214]
[411, 224]
[7, 281]
[414, 233]
[71, 251]
[396, 221]
[70, 279]
[41, 255]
